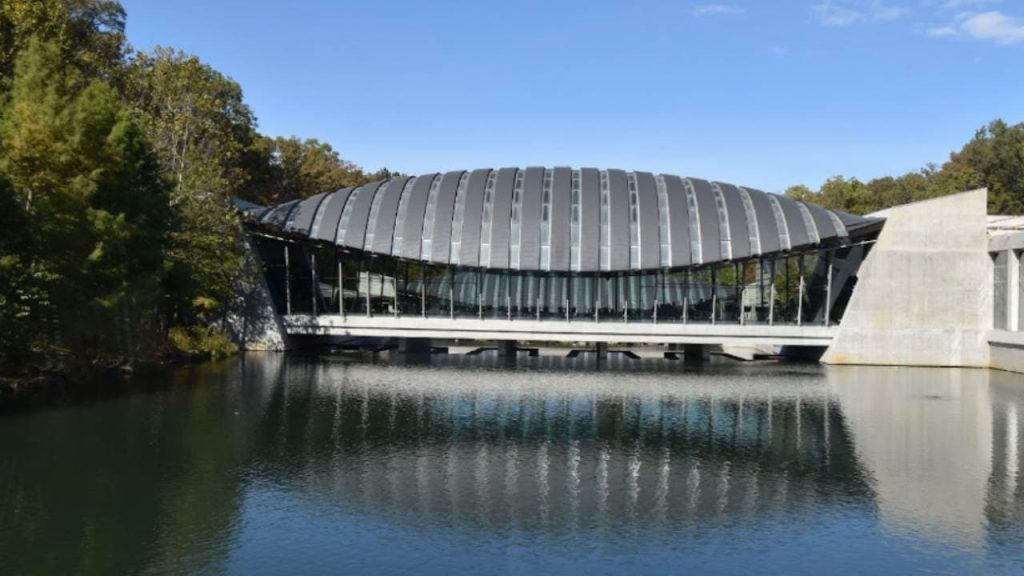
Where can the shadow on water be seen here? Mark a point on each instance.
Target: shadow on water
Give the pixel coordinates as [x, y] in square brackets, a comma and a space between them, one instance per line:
[325, 463]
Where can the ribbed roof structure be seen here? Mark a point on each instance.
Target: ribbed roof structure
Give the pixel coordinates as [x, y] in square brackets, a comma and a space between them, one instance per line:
[560, 220]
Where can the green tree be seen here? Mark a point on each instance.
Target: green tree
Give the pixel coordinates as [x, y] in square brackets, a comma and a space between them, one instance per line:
[92, 207]
[88, 33]
[802, 193]
[206, 139]
[307, 167]
[994, 158]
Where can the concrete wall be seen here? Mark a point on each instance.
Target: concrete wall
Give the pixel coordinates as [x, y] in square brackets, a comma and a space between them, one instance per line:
[251, 319]
[924, 294]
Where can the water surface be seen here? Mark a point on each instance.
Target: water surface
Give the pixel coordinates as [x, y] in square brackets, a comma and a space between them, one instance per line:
[455, 465]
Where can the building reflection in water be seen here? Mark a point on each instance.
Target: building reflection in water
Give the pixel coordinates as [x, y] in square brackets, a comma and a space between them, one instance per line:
[557, 448]
[565, 444]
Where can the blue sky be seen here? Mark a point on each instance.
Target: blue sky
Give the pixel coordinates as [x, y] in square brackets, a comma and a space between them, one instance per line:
[765, 94]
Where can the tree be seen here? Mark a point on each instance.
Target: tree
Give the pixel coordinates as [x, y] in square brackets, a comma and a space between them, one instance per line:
[994, 158]
[801, 193]
[92, 206]
[206, 139]
[88, 33]
[307, 167]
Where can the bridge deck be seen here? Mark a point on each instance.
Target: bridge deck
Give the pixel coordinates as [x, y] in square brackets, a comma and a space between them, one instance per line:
[552, 330]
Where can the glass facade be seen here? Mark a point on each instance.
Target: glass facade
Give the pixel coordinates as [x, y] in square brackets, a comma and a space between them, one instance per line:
[516, 225]
[786, 289]
[460, 209]
[723, 223]
[1000, 278]
[665, 246]
[574, 222]
[634, 222]
[545, 222]
[780, 221]
[427, 243]
[605, 227]
[403, 211]
[694, 214]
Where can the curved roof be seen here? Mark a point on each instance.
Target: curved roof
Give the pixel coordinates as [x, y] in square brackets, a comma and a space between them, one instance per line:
[561, 219]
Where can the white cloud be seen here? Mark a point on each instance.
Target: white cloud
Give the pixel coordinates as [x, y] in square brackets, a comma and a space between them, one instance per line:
[716, 10]
[840, 13]
[942, 32]
[994, 26]
[962, 4]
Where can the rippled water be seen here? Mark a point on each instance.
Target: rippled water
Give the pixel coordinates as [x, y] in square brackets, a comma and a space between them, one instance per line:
[456, 465]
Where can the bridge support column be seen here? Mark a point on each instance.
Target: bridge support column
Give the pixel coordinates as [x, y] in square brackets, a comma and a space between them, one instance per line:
[414, 345]
[507, 349]
[695, 353]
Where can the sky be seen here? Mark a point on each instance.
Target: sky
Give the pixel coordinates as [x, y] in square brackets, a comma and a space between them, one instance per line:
[757, 93]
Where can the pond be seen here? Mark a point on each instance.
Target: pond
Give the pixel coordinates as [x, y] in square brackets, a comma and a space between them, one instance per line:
[274, 464]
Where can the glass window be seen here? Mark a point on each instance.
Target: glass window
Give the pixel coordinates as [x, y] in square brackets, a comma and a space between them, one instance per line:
[574, 223]
[999, 282]
[515, 231]
[403, 210]
[427, 233]
[753, 232]
[486, 220]
[724, 231]
[545, 222]
[346, 215]
[371, 223]
[812, 230]
[665, 248]
[1020, 291]
[780, 221]
[460, 209]
[605, 240]
[634, 222]
[840, 227]
[319, 216]
[691, 205]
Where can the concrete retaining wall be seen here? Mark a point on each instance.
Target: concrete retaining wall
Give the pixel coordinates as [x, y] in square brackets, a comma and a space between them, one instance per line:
[924, 294]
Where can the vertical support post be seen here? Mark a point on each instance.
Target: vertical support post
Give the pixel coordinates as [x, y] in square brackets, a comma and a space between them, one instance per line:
[341, 289]
[686, 307]
[739, 291]
[287, 282]
[655, 310]
[423, 292]
[539, 300]
[743, 319]
[771, 303]
[508, 306]
[800, 301]
[312, 272]
[828, 289]
[480, 294]
[394, 285]
[451, 293]
[597, 311]
[567, 310]
[369, 277]
[714, 295]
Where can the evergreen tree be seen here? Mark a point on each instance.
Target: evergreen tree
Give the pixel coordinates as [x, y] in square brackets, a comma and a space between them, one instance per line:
[93, 208]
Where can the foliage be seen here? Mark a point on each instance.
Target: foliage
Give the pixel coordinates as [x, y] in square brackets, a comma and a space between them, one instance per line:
[306, 167]
[201, 340]
[92, 207]
[204, 135]
[88, 33]
[994, 158]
